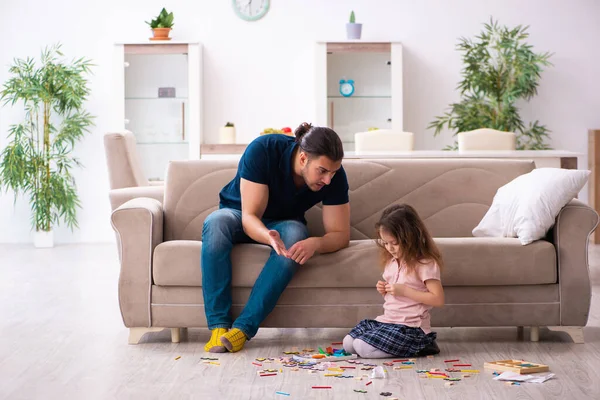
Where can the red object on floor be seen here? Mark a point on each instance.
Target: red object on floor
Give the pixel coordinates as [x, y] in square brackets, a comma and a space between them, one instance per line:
[461, 365]
[329, 350]
[402, 360]
[268, 374]
[321, 387]
[452, 360]
[348, 367]
[260, 365]
[368, 383]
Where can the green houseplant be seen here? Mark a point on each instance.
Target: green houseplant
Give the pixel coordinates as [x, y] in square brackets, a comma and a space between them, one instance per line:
[500, 69]
[162, 25]
[37, 160]
[353, 30]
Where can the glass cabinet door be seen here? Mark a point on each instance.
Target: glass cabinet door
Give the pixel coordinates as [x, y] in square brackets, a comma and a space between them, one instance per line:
[156, 109]
[359, 93]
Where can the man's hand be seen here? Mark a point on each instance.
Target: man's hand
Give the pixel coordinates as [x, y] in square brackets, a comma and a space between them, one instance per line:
[277, 244]
[381, 287]
[303, 250]
[397, 290]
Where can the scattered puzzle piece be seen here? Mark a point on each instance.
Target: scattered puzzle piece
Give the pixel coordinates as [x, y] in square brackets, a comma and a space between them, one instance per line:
[178, 357]
[360, 391]
[386, 394]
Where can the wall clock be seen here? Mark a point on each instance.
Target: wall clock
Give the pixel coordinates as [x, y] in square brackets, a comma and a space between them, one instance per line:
[251, 10]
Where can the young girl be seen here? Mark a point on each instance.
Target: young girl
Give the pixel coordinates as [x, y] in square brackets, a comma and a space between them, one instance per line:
[411, 287]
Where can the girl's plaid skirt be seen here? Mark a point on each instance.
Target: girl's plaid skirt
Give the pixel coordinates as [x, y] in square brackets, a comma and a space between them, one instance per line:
[394, 339]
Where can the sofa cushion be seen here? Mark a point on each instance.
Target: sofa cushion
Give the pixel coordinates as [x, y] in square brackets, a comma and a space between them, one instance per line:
[527, 206]
[468, 262]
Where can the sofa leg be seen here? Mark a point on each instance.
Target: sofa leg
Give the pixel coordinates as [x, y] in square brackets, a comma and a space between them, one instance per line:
[520, 332]
[576, 332]
[534, 334]
[135, 334]
[175, 335]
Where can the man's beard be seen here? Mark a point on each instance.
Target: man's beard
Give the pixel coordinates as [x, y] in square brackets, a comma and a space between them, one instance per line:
[304, 173]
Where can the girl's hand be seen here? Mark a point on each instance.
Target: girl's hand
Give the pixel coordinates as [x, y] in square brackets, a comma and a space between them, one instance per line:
[381, 287]
[397, 290]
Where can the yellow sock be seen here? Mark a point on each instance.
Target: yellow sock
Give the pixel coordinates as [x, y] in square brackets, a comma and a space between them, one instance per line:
[234, 340]
[215, 345]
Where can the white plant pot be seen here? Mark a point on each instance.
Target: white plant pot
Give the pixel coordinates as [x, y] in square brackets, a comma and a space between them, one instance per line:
[353, 31]
[227, 135]
[43, 239]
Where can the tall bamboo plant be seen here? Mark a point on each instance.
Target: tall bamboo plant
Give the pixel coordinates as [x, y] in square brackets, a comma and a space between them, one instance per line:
[500, 69]
[38, 159]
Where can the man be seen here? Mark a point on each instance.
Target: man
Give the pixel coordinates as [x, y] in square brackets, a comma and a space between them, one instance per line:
[278, 179]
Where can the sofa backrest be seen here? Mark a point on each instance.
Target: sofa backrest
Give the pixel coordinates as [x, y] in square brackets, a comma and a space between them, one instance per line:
[451, 195]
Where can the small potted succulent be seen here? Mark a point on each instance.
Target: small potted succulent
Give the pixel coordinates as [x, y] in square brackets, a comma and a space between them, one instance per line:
[161, 25]
[227, 133]
[353, 30]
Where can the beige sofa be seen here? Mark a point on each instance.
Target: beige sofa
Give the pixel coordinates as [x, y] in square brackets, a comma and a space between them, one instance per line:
[488, 281]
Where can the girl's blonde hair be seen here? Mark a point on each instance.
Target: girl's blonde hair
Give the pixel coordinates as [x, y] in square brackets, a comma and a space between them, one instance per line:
[403, 222]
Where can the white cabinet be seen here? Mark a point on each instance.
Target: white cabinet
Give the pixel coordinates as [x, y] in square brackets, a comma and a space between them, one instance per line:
[375, 69]
[158, 97]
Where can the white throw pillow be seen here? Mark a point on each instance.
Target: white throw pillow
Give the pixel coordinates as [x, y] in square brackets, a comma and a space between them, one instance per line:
[527, 206]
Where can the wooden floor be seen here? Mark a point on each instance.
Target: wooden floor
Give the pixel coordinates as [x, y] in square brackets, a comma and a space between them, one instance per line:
[61, 337]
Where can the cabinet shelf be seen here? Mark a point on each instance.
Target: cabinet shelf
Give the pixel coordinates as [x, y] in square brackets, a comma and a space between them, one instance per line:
[161, 143]
[156, 98]
[359, 97]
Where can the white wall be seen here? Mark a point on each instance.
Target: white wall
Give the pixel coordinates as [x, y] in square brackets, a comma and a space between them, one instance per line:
[260, 74]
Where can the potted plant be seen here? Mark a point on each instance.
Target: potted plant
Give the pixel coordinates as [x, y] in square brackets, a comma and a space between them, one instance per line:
[227, 133]
[500, 68]
[161, 25]
[37, 160]
[353, 30]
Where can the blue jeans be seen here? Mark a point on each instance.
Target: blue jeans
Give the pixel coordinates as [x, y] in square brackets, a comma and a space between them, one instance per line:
[222, 229]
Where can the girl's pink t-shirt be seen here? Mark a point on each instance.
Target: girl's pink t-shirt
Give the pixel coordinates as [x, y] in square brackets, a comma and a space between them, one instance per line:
[400, 309]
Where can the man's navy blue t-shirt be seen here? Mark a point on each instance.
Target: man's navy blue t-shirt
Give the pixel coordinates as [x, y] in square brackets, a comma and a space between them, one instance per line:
[268, 161]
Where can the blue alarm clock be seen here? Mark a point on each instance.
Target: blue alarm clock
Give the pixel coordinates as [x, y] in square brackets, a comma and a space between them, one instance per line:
[346, 87]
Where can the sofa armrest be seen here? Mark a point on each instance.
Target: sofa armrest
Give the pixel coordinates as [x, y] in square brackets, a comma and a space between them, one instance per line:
[574, 225]
[123, 195]
[139, 227]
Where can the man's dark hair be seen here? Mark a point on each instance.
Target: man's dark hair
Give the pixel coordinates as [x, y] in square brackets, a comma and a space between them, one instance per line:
[319, 141]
